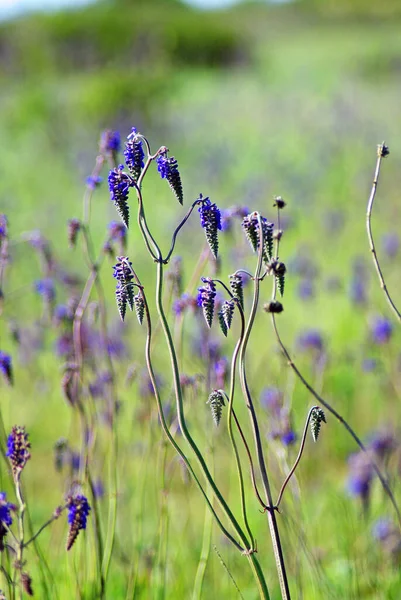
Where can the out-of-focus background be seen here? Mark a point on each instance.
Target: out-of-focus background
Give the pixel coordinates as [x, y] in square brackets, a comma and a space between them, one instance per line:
[254, 99]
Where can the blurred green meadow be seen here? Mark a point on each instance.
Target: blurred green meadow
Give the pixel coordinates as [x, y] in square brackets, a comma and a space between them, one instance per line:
[253, 101]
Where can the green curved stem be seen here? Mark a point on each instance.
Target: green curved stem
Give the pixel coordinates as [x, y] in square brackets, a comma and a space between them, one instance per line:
[273, 525]
[296, 463]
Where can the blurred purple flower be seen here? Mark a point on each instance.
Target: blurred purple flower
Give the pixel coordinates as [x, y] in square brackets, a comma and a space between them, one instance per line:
[271, 399]
[381, 330]
[306, 289]
[391, 244]
[360, 476]
[6, 368]
[381, 529]
[369, 364]
[289, 437]
[110, 141]
[45, 288]
[310, 340]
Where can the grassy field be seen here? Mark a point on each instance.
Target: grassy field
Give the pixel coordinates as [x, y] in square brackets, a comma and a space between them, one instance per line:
[280, 101]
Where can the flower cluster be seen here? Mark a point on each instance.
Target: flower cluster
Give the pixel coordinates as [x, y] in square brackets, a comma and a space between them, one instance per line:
[125, 285]
[6, 367]
[206, 299]
[18, 449]
[250, 225]
[119, 185]
[134, 154]
[78, 511]
[168, 169]
[210, 218]
[110, 142]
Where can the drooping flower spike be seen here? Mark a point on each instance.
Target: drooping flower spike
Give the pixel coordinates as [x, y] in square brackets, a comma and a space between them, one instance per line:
[168, 169]
[210, 218]
[206, 299]
[125, 285]
[119, 185]
[78, 511]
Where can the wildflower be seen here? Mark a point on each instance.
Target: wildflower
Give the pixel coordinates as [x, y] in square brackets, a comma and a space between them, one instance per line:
[381, 330]
[237, 288]
[210, 218]
[385, 532]
[250, 225]
[134, 155]
[206, 299]
[6, 367]
[168, 169]
[26, 582]
[125, 287]
[5, 517]
[216, 402]
[119, 184]
[18, 449]
[289, 437]
[78, 511]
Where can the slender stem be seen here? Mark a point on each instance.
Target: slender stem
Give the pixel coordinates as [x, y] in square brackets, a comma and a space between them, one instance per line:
[380, 154]
[231, 434]
[273, 525]
[21, 514]
[338, 417]
[205, 552]
[178, 228]
[49, 522]
[301, 449]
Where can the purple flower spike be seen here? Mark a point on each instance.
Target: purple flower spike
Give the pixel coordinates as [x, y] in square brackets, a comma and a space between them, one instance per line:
[6, 367]
[134, 155]
[119, 185]
[168, 169]
[78, 511]
[206, 299]
[18, 449]
[210, 218]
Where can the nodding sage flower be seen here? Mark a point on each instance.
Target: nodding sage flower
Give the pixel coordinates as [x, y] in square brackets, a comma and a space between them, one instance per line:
[5, 518]
[237, 288]
[206, 299]
[78, 511]
[18, 449]
[6, 368]
[250, 225]
[119, 184]
[210, 218]
[125, 286]
[134, 154]
[278, 269]
[168, 169]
